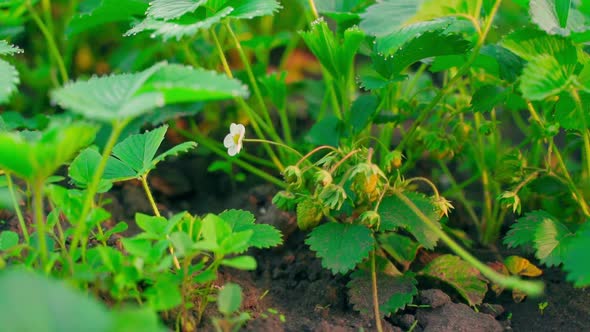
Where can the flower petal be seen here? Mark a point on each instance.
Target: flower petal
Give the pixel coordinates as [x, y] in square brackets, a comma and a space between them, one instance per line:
[233, 128]
[232, 151]
[241, 130]
[228, 141]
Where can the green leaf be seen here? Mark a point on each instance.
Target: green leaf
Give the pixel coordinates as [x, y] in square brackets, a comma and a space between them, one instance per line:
[488, 97]
[9, 79]
[429, 44]
[541, 231]
[325, 132]
[127, 96]
[507, 65]
[84, 166]
[394, 293]
[8, 239]
[110, 98]
[543, 77]
[39, 154]
[135, 156]
[154, 226]
[137, 319]
[248, 9]
[182, 243]
[390, 43]
[164, 294]
[576, 257]
[567, 114]
[7, 49]
[170, 9]
[531, 43]
[433, 8]
[188, 25]
[400, 247]
[120, 227]
[190, 17]
[236, 243]
[182, 84]
[460, 275]
[138, 151]
[557, 17]
[247, 263]
[335, 54]
[215, 230]
[264, 236]
[522, 232]
[395, 213]
[229, 298]
[341, 246]
[386, 16]
[551, 242]
[52, 305]
[99, 12]
[362, 111]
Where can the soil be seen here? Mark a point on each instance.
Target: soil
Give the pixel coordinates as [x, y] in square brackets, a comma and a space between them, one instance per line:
[290, 291]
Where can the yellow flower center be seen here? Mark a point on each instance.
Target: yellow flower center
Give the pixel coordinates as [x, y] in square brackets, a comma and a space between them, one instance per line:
[236, 139]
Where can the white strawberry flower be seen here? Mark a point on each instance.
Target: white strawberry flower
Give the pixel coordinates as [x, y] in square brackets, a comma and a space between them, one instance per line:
[233, 141]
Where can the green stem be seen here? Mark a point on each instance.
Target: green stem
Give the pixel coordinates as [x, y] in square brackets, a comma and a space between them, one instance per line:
[460, 195]
[314, 10]
[445, 89]
[254, 140]
[254, 170]
[312, 152]
[150, 197]
[285, 125]
[375, 293]
[578, 197]
[53, 49]
[532, 288]
[585, 132]
[256, 121]
[251, 77]
[39, 220]
[17, 209]
[80, 226]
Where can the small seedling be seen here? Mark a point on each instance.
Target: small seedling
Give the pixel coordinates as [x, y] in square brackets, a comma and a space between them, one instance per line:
[543, 306]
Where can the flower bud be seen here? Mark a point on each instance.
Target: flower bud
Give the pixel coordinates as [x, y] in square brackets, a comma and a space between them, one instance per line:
[293, 177]
[323, 178]
[285, 200]
[370, 219]
[443, 205]
[393, 160]
[332, 196]
[510, 199]
[366, 181]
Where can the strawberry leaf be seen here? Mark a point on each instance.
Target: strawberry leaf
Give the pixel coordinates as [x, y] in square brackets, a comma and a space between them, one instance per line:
[341, 246]
[576, 257]
[394, 293]
[264, 236]
[460, 275]
[395, 213]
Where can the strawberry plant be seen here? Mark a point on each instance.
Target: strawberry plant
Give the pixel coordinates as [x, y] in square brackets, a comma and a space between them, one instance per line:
[400, 136]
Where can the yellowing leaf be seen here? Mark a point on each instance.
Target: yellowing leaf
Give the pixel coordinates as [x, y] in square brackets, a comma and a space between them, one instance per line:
[517, 265]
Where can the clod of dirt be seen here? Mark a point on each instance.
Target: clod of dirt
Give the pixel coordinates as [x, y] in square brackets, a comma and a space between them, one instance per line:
[456, 317]
[434, 298]
[406, 321]
[494, 310]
